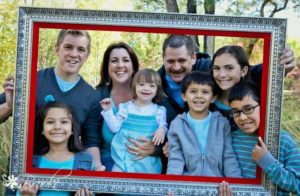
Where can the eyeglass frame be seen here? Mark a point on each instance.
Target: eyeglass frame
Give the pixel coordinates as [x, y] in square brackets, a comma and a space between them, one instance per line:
[252, 108]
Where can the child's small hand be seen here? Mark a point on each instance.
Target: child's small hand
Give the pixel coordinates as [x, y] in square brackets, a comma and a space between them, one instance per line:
[225, 189]
[259, 151]
[166, 149]
[28, 189]
[170, 194]
[159, 136]
[106, 104]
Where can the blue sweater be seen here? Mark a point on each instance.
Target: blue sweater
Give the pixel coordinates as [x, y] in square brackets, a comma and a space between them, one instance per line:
[185, 157]
[284, 172]
[82, 98]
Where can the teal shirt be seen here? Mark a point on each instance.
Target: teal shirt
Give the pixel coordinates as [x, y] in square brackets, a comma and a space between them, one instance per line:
[46, 163]
[243, 145]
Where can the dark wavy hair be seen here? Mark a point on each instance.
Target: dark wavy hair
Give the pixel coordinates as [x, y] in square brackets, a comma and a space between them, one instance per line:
[104, 80]
[41, 144]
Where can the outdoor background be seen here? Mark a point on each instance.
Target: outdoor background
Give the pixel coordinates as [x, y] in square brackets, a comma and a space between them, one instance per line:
[148, 46]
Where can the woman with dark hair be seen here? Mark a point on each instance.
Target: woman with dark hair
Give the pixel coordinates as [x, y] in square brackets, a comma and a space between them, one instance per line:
[119, 65]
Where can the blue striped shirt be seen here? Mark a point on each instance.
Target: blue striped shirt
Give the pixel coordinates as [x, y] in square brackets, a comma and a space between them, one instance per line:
[243, 145]
[285, 173]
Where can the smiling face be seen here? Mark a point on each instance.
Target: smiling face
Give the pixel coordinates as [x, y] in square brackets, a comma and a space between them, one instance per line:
[120, 66]
[71, 53]
[57, 126]
[227, 72]
[198, 97]
[248, 123]
[178, 62]
[145, 92]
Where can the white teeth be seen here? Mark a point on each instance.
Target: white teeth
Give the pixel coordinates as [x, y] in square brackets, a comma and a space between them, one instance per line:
[73, 62]
[246, 124]
[120, 72]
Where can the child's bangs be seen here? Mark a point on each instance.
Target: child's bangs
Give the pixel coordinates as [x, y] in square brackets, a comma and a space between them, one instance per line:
[146, 78]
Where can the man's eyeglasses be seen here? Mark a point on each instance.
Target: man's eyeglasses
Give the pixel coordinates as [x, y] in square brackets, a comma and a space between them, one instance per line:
[246, 110]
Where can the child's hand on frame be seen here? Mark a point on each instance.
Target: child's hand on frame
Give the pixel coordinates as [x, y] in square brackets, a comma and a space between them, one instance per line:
[159, 136]
[29, 189]
[225, 189]
[83, 192]
[259, 150]
[106, 104]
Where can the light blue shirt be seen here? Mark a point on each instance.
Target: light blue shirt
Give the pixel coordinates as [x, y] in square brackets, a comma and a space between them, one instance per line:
[201, 128]
[64, 85]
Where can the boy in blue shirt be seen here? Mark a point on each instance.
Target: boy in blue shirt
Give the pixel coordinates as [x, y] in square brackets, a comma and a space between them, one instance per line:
[200, 140]
[284, 172]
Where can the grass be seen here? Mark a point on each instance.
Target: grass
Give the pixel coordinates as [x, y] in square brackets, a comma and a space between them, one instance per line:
[291, 115]
[5, 143]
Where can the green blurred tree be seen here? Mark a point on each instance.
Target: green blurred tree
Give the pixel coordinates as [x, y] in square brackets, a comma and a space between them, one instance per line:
[8, 34]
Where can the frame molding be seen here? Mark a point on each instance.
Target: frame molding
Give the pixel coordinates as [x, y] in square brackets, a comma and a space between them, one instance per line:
[275, 29]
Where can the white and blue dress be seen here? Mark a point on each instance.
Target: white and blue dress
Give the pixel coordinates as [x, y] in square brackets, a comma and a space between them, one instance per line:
[133, 121]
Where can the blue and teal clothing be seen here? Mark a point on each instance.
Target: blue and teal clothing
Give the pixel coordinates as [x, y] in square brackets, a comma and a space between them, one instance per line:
[243, 145]
[135, 127]
[134, 122]
[284, 172]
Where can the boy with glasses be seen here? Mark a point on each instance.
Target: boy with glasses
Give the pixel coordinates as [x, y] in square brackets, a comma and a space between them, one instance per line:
[284, 172]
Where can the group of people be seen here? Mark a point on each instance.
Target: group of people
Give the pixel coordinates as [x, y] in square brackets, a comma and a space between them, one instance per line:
[202, 114]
